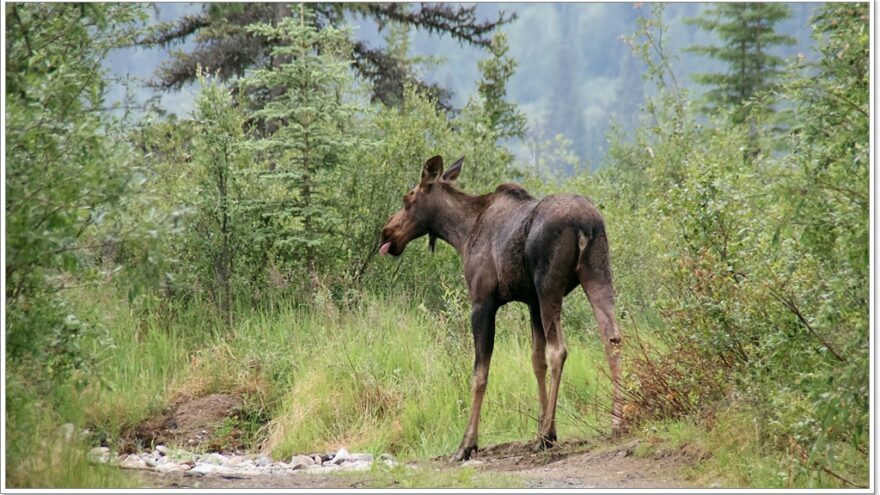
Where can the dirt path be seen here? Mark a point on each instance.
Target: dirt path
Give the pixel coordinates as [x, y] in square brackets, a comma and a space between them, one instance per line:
[569, 465]
[579, 465]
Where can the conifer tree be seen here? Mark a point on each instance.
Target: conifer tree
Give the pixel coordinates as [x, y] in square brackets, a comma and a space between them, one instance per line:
[505, 119]
[490, 118]
[747, 36]
[311, 138]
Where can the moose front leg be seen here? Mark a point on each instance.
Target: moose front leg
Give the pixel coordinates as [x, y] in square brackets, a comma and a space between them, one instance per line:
[483, 324]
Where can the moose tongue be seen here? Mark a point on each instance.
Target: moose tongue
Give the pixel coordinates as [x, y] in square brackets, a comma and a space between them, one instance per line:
[384, 249]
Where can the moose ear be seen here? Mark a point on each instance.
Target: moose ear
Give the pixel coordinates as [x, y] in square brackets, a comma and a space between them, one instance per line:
[433, 169]
[453, 172]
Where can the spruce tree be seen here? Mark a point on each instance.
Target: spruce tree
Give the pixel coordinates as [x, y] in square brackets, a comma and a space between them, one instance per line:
[311, 138]
[747, 36]
[489, 118]
[505, 119]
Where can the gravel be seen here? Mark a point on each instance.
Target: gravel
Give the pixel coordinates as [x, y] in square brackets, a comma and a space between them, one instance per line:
[165, 459]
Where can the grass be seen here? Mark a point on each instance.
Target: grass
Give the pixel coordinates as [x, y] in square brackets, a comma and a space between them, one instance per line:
[383, 376]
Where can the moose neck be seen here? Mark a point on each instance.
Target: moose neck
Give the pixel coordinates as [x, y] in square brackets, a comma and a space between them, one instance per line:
[456, 216]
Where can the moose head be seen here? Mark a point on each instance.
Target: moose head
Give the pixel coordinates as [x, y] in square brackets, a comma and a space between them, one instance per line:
[421, 207]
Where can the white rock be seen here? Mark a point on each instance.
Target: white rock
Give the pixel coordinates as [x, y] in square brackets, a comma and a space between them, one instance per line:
[211, 469]
[355, 466]
[170, 467]
[301, 461]
[263, 461]
[162, 449]
[362, 457]
[215, 458]
[341, 456]
[133, 462]
[317, 459]
[67, 430]
[99, 455]
[149, 461]
[236, 460]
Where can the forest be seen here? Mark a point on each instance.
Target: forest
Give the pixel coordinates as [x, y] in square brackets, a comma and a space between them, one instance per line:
[155, 259]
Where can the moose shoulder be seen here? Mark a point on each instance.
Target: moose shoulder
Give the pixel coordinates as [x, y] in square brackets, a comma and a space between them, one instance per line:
[516, 248]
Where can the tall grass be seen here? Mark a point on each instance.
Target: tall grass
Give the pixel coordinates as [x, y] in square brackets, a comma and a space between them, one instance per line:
[386, 376]
[382, 375]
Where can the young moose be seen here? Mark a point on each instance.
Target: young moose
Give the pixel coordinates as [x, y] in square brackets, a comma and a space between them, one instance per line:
[516, 248]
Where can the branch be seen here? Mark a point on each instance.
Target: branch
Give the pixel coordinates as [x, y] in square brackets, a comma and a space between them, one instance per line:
[167, 33]
[458, 22]
[789, 303]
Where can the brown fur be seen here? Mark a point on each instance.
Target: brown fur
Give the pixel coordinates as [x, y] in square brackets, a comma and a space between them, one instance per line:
[516, 248]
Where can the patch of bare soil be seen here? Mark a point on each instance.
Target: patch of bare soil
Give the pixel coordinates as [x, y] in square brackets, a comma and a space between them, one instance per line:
[150, 479]
[577, 464]
[191, 423]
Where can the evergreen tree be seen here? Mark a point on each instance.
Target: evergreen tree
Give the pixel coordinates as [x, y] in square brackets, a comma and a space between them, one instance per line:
[489, 118]
[312, 137]
[746, 32]
[505, 120]
[227, 47]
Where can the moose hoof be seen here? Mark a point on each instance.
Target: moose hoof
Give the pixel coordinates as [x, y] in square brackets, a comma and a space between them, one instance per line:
[545, 441]
[464, 453]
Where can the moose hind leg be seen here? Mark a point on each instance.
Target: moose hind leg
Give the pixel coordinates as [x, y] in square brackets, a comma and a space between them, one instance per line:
[483, 323]
[551, 307]
[594, 273]
[539, 358]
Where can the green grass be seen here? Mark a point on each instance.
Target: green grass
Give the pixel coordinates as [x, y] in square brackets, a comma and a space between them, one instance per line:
[39, 452]
[384, 376]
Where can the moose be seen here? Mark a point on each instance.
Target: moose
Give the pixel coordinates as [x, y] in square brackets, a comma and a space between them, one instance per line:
[516, 248]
